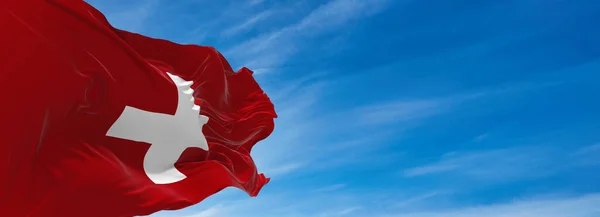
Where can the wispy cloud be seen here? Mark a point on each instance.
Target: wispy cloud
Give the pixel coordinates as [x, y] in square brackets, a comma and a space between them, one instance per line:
[305, 126]
[293, 126]
[592, 149]
[481, 137]
[421, 198]
[337, 206]
[407, 110]
[337, 13]
[213, 211]
[588, 155]
[401, 111]
[331, 188]
[430, 169]
[256, 2]
[273, 49]
[496, 165]
[510, 164]
[210, 212]
[344, 212]
[584, 206]
[247, 24]
[283, 169]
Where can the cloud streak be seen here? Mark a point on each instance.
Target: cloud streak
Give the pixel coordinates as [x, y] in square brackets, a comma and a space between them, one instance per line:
[560, 206]
[210, 212]
[584, 206]
[249, 23]
[312, 133]
[503, 164]
[510, 164]
[273, 49]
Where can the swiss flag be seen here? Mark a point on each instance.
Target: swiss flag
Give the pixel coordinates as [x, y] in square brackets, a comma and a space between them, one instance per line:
[98, 122]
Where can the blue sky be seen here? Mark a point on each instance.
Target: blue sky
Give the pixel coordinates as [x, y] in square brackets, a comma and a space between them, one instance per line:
[403, 108]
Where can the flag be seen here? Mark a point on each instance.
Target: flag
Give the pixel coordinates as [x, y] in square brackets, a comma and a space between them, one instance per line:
[101, 122]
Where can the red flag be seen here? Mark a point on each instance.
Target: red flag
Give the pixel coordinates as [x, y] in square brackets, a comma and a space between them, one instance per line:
[87, 110]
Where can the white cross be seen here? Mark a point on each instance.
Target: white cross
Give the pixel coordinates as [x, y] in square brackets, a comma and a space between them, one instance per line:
[169, 135]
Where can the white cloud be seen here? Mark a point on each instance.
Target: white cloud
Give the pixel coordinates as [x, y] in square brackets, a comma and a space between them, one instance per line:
[338, 13]
[256, 2]
[215, 211]
[284, 150]
[407, 110]
[583, 206]
[430, 169]
[510, 164]
[273, 49]
[331, 188]
[481, 137]
[497, 165]
[338, 205]
[247, 24]
[588, 155]
[412, 201]
[305, 131]
[283, 169]
[400, 111]
[592, 149]
[346, 211]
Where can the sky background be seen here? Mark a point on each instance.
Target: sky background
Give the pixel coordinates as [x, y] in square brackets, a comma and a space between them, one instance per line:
[406, 108]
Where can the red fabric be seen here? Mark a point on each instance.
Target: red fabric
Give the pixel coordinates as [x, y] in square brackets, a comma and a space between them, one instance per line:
[65, 77]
